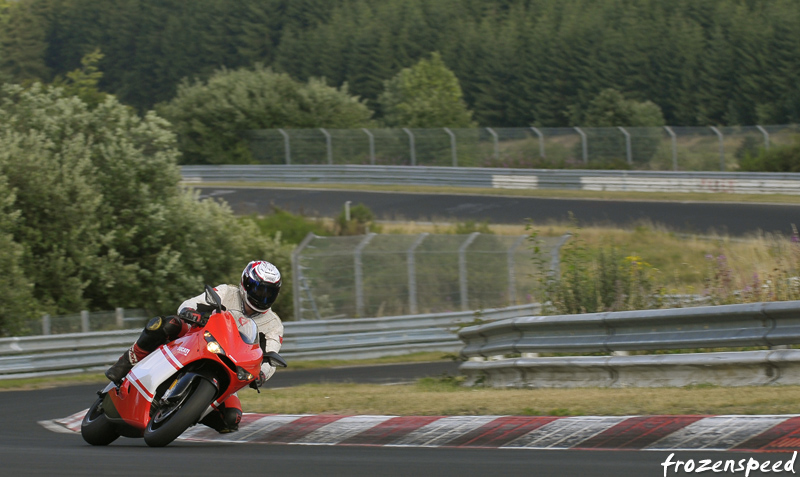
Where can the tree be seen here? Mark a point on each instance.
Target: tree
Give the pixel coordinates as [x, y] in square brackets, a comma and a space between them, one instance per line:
[23, 43]
[610, 109]
[91, 198]
[211, 117]
[17, 287]
[424, 96]
[83, 81]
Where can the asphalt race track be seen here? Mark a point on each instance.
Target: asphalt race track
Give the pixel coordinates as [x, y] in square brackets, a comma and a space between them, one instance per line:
[27, 448]
[735, 219]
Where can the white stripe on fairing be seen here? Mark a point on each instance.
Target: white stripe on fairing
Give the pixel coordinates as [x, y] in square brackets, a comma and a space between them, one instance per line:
[344, 428]
[153, 370]
[443, 430]
[565, 433]
[135, 382]
[250, 432]
[171, 358]
[717, 433]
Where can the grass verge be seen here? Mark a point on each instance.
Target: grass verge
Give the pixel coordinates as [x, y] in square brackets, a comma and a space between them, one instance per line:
[444, 396]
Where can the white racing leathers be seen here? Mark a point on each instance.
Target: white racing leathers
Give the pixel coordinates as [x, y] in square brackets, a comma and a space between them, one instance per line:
[268, 322]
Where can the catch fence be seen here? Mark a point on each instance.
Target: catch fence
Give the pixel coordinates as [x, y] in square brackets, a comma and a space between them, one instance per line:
[378, 275]
[668, 148]
[84, 322]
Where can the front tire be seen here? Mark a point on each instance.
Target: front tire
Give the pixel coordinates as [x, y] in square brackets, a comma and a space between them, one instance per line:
[96, 429]
[167, 424]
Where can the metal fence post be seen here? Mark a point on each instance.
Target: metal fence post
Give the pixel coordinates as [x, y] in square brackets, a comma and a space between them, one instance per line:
[411, 146]
[462, 269]
[721, 148]
[119, 316]
[452, 146]
[412, 274]
[512, 279]
[628, 151]
[585, 145]
[555, 259]
[297, 276]
[766, 137]
[360, 276]
[328, 144]
[286, 145]
[496, 143]
[85, 321]
[371, 146]
[46, 328]
[674, 139]
[541, 141]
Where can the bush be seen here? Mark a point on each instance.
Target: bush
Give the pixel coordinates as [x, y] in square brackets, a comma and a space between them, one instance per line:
[292, 228]
[592, 281]
[776, 159]
[362, 221]
[610, 109]
[211, 117]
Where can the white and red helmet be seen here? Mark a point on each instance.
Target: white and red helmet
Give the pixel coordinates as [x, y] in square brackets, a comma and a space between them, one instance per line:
[261, 282]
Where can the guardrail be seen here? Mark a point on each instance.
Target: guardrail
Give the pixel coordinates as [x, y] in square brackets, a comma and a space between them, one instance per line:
[496, 178]
[29, 356]
[772, 325]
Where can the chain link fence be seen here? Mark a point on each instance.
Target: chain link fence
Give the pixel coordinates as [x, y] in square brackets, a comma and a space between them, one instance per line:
[85, 321]
[390, 275]
[663, 148]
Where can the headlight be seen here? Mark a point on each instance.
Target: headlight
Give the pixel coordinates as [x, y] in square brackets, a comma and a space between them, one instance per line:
[243, 374]
[212, 345]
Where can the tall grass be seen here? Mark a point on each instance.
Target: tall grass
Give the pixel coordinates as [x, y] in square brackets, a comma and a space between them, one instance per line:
[649, 267]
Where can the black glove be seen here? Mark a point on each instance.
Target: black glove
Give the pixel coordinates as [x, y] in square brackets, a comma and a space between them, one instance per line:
[190, 315]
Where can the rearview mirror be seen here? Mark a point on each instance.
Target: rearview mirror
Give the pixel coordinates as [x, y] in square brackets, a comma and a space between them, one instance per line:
[274, 359]
[212, 298]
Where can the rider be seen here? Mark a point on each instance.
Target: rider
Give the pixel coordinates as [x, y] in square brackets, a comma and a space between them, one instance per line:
[257, 291]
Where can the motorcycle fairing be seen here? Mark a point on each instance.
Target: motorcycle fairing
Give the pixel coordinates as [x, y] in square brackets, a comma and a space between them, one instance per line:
[153, 370]
[137, 391]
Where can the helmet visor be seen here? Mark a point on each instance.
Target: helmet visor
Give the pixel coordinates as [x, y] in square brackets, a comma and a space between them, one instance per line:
[260, 295]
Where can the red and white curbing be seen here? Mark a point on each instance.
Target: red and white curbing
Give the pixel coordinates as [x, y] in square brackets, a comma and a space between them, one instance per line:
[741, 433]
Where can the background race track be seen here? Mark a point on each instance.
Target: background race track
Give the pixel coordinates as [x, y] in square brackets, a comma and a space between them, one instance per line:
[687, 217]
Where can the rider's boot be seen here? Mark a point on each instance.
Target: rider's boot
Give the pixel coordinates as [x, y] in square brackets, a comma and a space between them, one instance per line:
[223, 420]
[157, 331]
[124, 364]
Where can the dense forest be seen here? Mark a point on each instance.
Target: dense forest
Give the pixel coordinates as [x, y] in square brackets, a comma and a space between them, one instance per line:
[518, 62]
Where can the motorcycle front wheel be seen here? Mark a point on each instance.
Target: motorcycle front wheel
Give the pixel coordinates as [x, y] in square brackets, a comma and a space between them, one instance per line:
[170, 422]
[96, 429]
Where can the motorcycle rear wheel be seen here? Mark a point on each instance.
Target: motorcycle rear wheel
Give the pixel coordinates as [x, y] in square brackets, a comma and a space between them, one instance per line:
[170, 423]
[96, 429]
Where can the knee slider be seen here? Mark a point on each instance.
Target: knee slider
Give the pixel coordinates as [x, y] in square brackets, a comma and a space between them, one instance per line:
[231, 417]
[153, 335]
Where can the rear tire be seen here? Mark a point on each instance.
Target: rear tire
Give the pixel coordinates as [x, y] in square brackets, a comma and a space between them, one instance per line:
[167, 424]
[96, 429]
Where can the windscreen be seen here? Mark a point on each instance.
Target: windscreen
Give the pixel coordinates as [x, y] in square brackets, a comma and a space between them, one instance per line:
[248, 330]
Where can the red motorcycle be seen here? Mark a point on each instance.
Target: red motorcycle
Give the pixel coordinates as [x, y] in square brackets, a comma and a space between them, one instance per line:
[174, 387]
